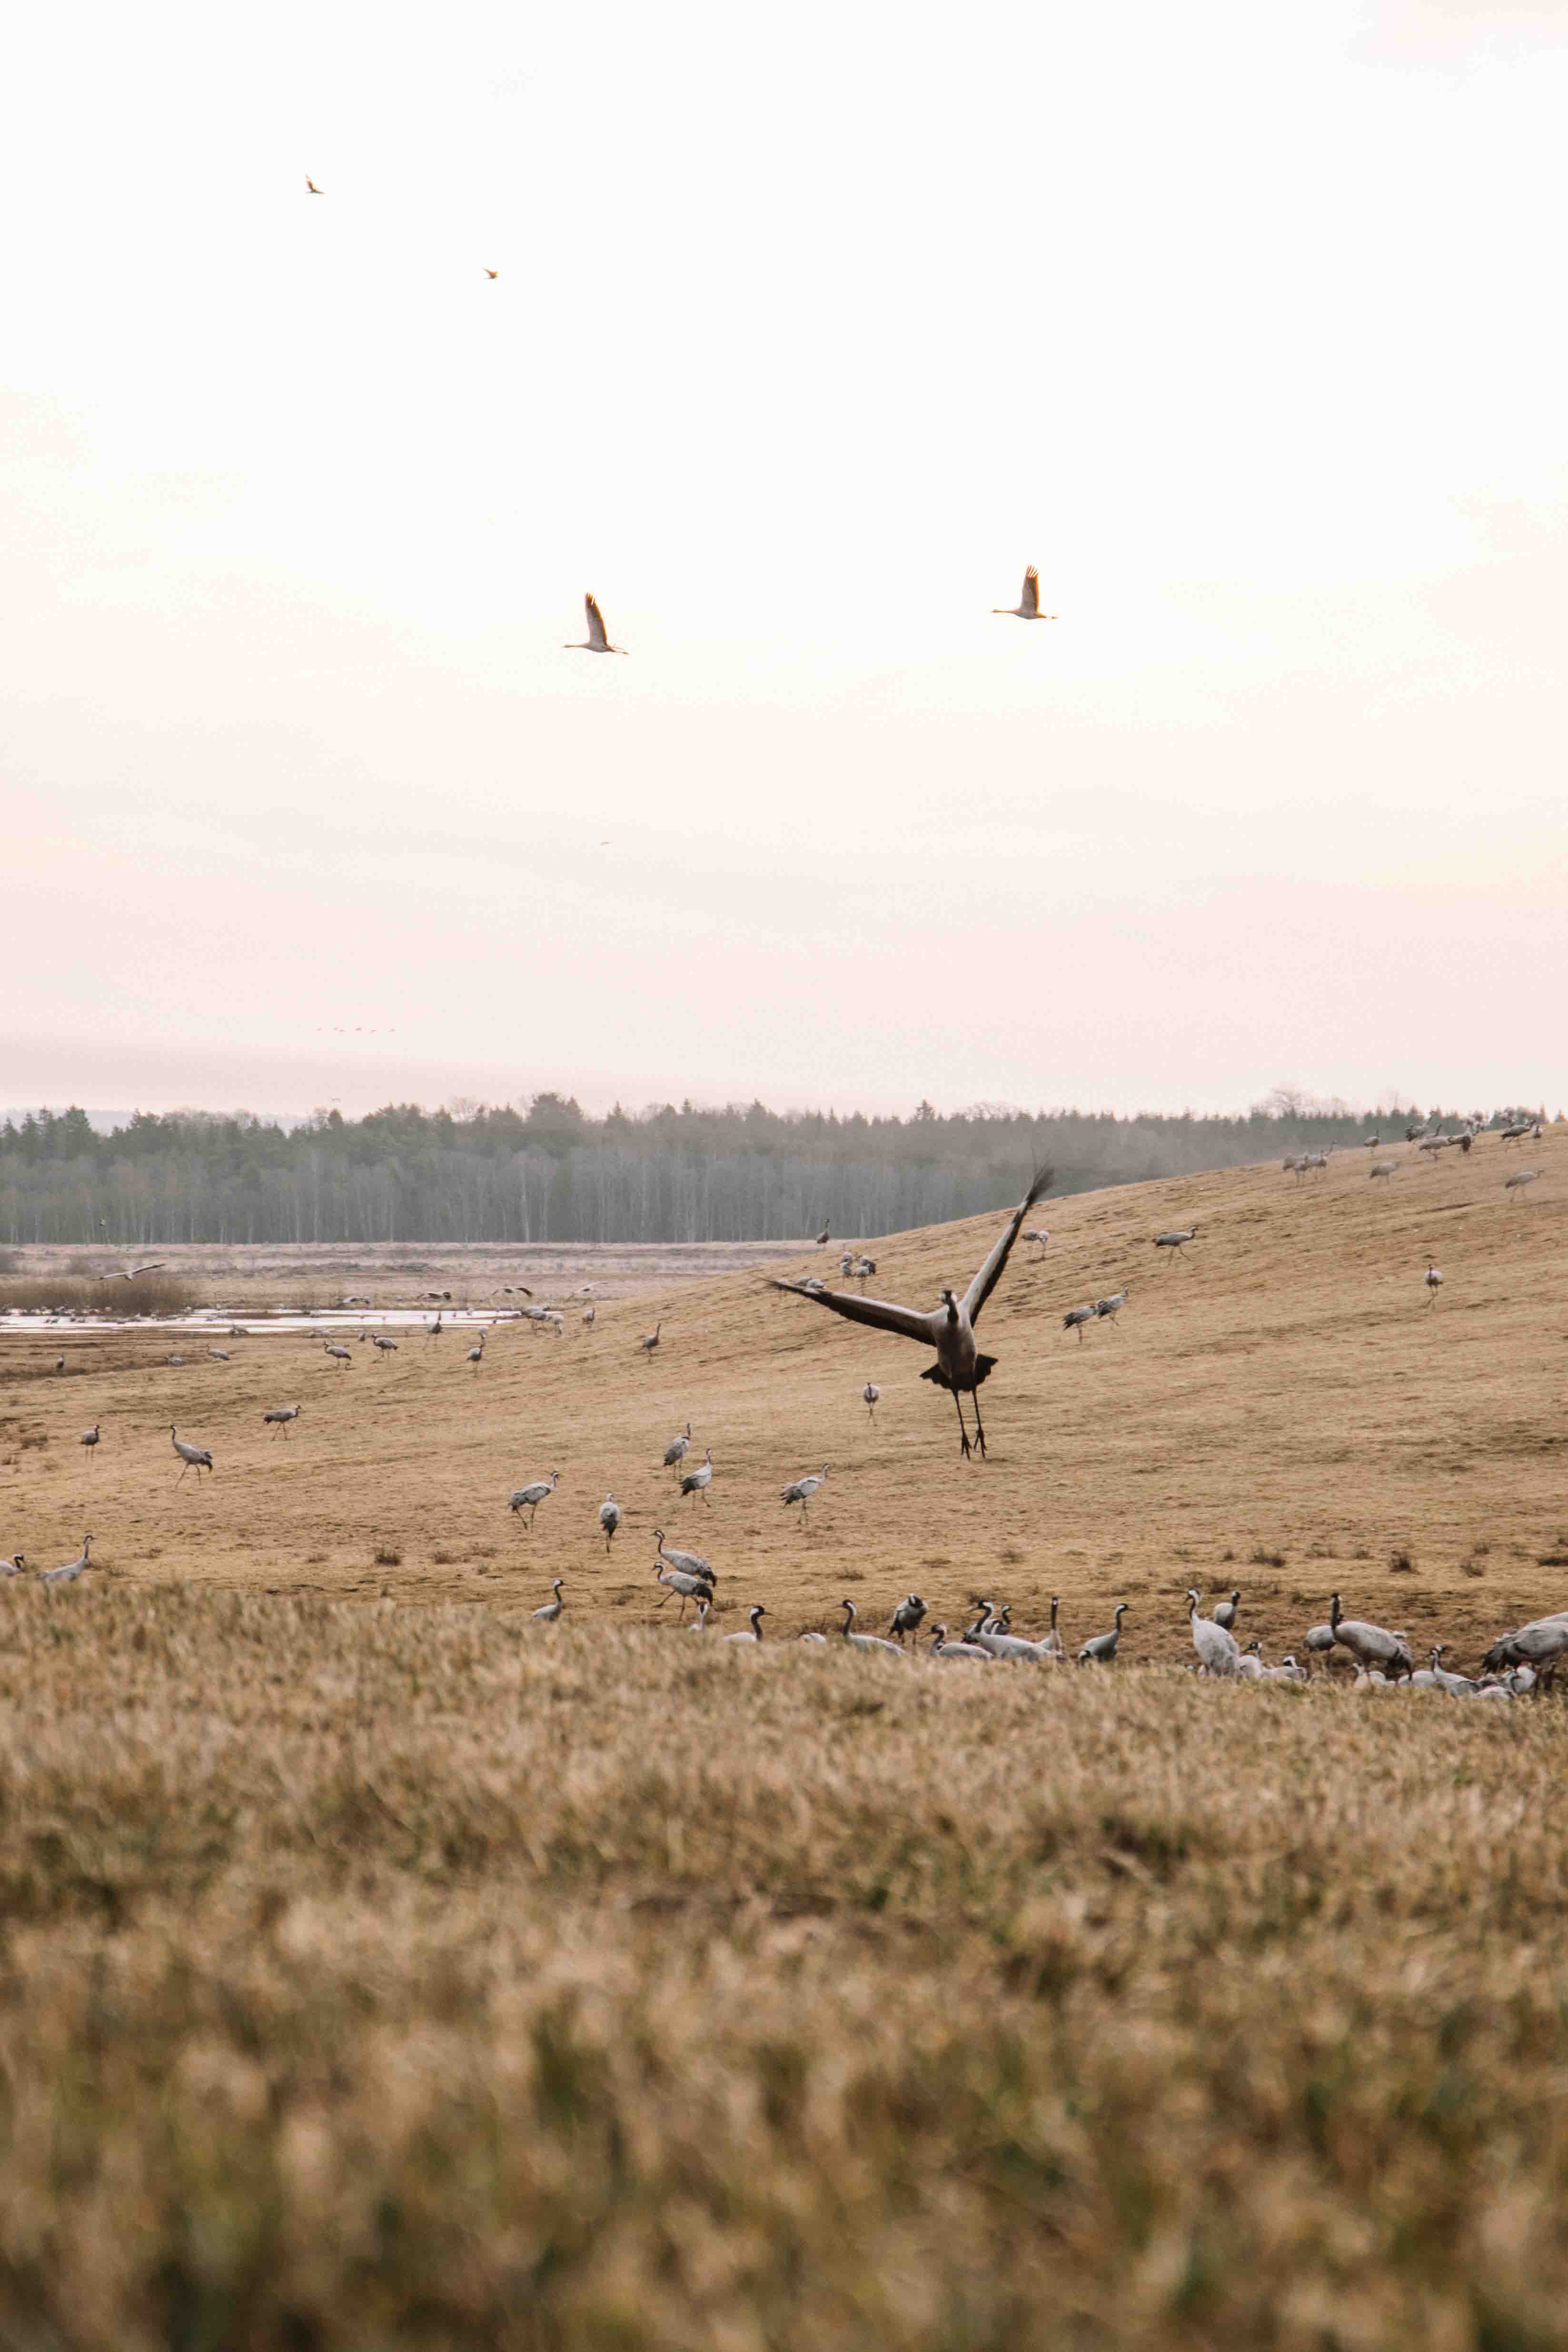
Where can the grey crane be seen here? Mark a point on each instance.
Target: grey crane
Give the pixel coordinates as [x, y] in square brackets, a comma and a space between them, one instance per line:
[133, 1273]
[220, 1355]
[433, 1331]
[697, 1481]
[872, 1395]
[677, 1579]
[16, 1566]
[863, 1267]
[1426, 1677]
[178, 1361]
[940, 1647]
[1075, 1318]
[477, 1355]
[551, 1610]
[1028, 607]
[90, 1438]
[1249, 1665]
[690, 1563]
[339, 1355]
[1433, 1279]
[1100, 1650]
[649, 1341]
[700, 1622]
[1224, 1612]
[1520, 1178]
[1216, 1644]
[589, 1313]
[596, 642]
[994, 1638]
[609, 1519]
[281, 1416]
[71, 1569]
[1288, 1671]
[864, 1641]
[533, 1495]
[1370, 1645]
[801, 1490]
[847, 1263]
[60, 1363]
[823, 1238]
[1382, 1168]
[756, 1615]
[1108, 1310]
[386, 1347]
[1039, 1235]
[907, 1616]
[950, 1328]
[192, 1458]
[1053, 1640]
[1176, 1240]
[675, 1452]
[1540, 1644]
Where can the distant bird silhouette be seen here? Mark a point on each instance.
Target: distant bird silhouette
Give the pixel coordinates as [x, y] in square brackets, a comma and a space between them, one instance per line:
[596, 642]
[949, 1329]
[1028, 607]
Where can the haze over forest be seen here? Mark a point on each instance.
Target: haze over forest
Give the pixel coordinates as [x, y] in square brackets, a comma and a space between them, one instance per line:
[545, 1170]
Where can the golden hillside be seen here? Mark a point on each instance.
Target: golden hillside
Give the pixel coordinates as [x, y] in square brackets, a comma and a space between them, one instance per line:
[1281, 1410]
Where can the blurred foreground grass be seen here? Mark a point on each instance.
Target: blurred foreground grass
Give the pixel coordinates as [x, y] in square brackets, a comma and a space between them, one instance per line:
[382, 1978]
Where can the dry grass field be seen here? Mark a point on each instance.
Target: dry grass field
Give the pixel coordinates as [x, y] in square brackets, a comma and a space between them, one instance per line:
[380, 1969]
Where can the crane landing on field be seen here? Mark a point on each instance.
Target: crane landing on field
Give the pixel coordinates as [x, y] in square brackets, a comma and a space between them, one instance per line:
[949, 1329]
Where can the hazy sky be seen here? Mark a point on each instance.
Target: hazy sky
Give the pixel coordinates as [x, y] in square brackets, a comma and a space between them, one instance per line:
[1246, 323]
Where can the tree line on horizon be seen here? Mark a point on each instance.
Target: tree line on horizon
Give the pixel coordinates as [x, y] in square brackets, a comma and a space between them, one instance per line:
[549, 1171]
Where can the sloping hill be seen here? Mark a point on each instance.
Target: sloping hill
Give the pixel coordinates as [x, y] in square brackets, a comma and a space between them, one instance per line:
[1281, 1410]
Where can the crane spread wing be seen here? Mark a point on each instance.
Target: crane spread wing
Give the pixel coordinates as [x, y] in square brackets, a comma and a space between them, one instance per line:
[596, 636]
[907, 1321]
[1030, 600]
[990, 1274]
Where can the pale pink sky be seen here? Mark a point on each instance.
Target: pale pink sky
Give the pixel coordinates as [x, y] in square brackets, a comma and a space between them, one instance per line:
[1244, 322]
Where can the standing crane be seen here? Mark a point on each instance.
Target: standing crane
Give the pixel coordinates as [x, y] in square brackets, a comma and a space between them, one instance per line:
[756, 1615]
[649, 1341]
[281, 1416]
[550, 1612]
[1176, 1240]
[697, 1481]
[386, 1347]
[192, 1458]
[531, 1496]
[1214, 1643]
[949, 1329]
[872, 1395]
[1100, 1650]
[89, 1438]
[339, 1355]
[801, 1490]
[609, 1519]
[477, 1355]
[71, 1569]
[864, 1641]
[675, 1452]
[907, 1616]
[1433, 1279]
[680, 1581]
[689, 1563]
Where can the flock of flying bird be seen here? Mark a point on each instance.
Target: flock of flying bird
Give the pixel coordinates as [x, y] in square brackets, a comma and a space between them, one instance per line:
[1517, 1662]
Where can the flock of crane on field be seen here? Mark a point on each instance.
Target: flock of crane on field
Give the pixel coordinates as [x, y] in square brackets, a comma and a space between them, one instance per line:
[1380, 1657]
